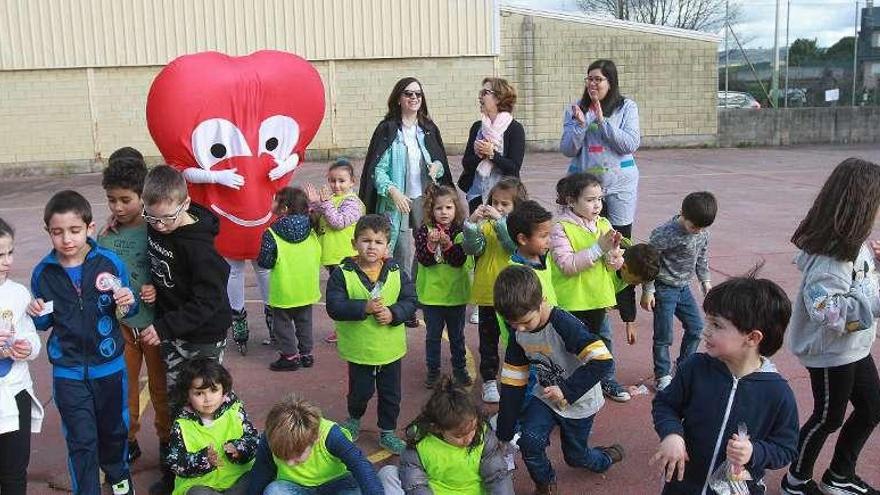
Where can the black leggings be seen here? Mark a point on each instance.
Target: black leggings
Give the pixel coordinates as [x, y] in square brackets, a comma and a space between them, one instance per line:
[15, 450]
[833, 388]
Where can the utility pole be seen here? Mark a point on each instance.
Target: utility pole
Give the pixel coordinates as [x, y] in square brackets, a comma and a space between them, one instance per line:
[855, 53]
[774, 83]
[787, 48]
[726, 51]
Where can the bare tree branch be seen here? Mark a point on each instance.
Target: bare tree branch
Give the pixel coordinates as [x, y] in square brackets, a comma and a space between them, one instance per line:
[700, 15]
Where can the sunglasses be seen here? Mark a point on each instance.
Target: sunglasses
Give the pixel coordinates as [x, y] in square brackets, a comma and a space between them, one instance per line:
[412, 94]
[484, 92]
[165, 221]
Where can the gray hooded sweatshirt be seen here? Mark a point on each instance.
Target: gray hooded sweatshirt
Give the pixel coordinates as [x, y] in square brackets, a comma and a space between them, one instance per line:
[833, 320]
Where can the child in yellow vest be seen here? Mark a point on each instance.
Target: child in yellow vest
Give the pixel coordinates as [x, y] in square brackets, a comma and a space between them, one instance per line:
[338, 208]
[485, 235]
[291, 250]
[451, 450]
[213, 442]
[583, 270]
[370, 297]
[303, 453]
[443, 283]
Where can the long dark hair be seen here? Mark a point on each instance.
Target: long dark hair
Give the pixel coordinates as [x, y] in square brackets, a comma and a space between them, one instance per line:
[613, 100]
[394, 112]
[448, 408]
[842, 215]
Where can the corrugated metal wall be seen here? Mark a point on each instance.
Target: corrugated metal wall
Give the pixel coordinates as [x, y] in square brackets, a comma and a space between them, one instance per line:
[46, 34]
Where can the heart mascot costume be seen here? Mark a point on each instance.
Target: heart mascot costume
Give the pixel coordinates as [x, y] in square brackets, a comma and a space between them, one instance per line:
[237, 128]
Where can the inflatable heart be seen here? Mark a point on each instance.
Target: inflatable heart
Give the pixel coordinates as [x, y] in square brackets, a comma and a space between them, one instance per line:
[237, 127]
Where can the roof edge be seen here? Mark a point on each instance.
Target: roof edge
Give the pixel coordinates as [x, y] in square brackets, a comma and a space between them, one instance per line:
[614, 23]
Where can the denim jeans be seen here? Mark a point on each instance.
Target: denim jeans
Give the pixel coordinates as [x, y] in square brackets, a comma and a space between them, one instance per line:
[452, 317]
[538, 422]
[340, 486]
[678, 302]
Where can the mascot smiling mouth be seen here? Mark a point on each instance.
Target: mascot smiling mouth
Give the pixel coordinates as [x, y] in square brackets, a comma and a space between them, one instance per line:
[240, 221]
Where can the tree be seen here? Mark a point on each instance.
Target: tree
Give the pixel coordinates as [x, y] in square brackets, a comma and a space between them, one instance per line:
[699, 15]
[803, 50]
[842, 50]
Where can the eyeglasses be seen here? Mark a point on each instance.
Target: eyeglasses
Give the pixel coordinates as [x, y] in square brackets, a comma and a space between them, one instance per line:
[412, 94]
[593, 79]
[166, 220]
[484, 92]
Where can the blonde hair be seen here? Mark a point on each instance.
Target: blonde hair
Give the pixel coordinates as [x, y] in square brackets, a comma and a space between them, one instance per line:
[292, 427]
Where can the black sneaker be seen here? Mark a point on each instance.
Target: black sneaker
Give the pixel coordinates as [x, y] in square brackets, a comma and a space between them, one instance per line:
[462, 378]
[833, 484]
[615, 452]
[412, 322]
[306, 360]
[432, 378]
[285, 364]
[134, 451]
[808, 487]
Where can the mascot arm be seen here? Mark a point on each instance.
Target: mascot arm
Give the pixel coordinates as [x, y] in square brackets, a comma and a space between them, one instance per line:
[284, 167]
[228, 178]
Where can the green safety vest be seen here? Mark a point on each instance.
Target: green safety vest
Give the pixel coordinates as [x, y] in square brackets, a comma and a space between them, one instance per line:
[336, 244]
[451, 470]
[545, 276]
[366, 341]
[494, 259]
[197, 436]
[295, 279]
[592, 288]
[320, 467]
[443, 284]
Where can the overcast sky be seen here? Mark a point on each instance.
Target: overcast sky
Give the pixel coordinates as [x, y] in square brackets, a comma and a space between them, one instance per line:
[827, 20]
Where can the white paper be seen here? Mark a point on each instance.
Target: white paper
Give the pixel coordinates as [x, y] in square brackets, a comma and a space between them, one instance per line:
[832, 94]
[48, 308]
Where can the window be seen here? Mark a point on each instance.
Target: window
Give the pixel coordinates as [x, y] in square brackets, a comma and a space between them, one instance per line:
[875, 68]
[875, 40]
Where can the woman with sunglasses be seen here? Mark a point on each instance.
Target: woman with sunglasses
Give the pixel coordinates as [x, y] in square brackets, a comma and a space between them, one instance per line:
[496, 144]
[600, 133]
[406, 154]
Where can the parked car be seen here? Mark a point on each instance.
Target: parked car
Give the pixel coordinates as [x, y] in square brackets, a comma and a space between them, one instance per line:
[736, 99]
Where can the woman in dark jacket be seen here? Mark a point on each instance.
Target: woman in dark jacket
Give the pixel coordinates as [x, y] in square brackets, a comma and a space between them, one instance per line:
[496, 145]
[406, 153]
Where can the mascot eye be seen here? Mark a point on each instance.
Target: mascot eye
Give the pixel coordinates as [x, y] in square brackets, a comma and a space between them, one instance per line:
[278, 136]
[217, 139]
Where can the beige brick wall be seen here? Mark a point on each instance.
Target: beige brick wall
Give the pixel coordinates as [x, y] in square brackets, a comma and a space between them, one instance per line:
[672, 79]
[70, 119]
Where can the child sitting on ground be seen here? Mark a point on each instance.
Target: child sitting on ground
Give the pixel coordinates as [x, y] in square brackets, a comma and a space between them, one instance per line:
[734, 384]
[451, 449]
[569, 362]
[212, 440]
[370, 297]
[303, 453]
[292, 251]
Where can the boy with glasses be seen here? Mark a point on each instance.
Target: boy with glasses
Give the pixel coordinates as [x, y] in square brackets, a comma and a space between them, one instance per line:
[192, 307]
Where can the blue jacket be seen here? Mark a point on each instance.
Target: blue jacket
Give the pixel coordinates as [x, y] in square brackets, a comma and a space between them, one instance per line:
[341, 308]
[705, 404]
[86, 341]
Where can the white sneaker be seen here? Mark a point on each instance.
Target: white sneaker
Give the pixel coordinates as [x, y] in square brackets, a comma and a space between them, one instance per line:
[475, 316]
[122, 488]
[510, 456]
[490, 392]
[663, 382]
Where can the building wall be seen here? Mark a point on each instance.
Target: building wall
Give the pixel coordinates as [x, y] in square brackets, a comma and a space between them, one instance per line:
[792, 126]
[673, 79]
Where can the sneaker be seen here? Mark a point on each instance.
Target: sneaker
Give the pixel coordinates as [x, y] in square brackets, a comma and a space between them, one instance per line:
[331, 339]
[462, 378]
[833, 484]
[285, 363]
[663, 382]
[412, 322]
[306, 360]
[432, 378]
[353, 427]
[475, 317]
[134, 451]
[490, 392]
[615, 452]
[122, 488]
[391, 442]
[793, 486]
[615, 392]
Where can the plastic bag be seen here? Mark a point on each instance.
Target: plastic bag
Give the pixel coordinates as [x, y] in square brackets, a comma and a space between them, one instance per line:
[729, 478]
[107, 282]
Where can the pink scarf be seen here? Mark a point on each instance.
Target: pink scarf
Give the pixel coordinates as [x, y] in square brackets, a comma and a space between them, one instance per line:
[494, 133]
